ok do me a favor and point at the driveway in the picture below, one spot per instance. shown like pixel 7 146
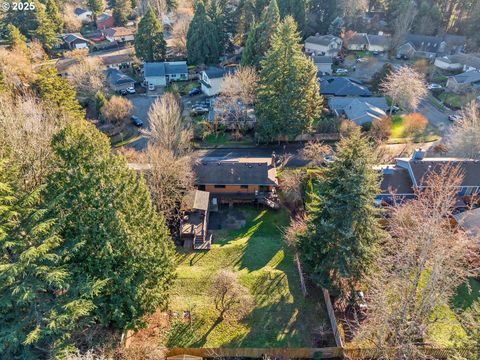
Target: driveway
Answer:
pixel 141 105
pixel 435 116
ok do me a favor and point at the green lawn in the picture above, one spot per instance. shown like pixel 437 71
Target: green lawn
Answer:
pixel 398 131
pixel 281 316
pixel 224 139
pixel 455 101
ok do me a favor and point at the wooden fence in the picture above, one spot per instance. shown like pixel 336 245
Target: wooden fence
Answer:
pixel 285 353
pixel 333 318
pixel 300 274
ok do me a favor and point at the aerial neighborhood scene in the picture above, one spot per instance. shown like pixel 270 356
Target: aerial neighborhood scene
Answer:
pixel 240 179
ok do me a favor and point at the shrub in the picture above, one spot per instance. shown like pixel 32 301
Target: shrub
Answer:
pixel 381 128
pixel 414 124
pixel 367 126
pixel 116 110
pixel 328 125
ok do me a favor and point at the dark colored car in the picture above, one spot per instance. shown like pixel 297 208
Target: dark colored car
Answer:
pixel 194 92
pixel 136 121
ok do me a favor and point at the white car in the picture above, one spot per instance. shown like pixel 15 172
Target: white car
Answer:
pixel 434 86
pixel 341 71
pixel 131 90
pixel 454 118
pixel 361 60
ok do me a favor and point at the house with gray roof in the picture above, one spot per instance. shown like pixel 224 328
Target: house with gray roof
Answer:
pixel 323 64
pixel 342 86
pixel 84 15
pixel 359 109
pixel 117 80
pixel 463 62
pixel 356 41
pixel 328 45
pixel 466 81
pixel 429 47
pixel 74 41
pixel 162 73
pixel 211 79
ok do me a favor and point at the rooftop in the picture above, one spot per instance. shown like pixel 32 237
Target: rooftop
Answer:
pixel 233 173
pixel 342 86
pixel 467 77
pixel 117 77
pixel 322 59
pixel 165 68
pixel 215 72
pixel 324 40
pixel 469 221
pixel 119 31
pixel 472 60
pixel 395 180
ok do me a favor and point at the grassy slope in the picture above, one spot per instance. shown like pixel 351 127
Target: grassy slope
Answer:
pixel 264 264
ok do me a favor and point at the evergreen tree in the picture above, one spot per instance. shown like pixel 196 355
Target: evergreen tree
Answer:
pixel 15 39
pixel 320 15
pixel 336 27
pixel 246 17
pixel 295 8
pixel 339 247
pixel 121 11
pixel 58 92
pixel 203 44
pixel 250 55
pixel 288 98
pixel 40 307
pixel 379 77
pixel 149 42
pixel 111 230
pixel 45 30
pixel 96 7
pixel 54 15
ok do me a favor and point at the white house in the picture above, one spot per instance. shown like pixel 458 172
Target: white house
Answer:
pixel 211 80
pixel 161 73
pixel 323 45
pixel 120 34
pixel 463 62
pixel 84 15
pixel 323 64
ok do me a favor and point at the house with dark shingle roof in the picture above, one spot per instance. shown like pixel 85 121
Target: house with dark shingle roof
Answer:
pixel 162 73
pixel 74 41
pixel 356 41
pixel 463 62
pixel 342 86
pixel 328 45
pixel 117 80
pixel 211 79
pixel 429 47
pixel 120 34
pixel 359 109
pixel 323 64
pixel 469 80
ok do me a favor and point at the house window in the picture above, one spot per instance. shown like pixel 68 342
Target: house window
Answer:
pixel 219 186
pixel 243 186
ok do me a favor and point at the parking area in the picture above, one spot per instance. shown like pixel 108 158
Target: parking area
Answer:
pixel 141 105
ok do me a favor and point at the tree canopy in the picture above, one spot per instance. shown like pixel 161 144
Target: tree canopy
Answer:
pixel 149 42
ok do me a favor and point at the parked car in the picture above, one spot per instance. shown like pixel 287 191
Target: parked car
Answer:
pixel 361 60
pixel 394 108
pixel 375 53
pixel 123 92
pixel 194 92
pixel 434 86
pixel 131 90
pixel 199 111
pixel 136 121
pixel 341 71
pixel 454 118
pixel 151 87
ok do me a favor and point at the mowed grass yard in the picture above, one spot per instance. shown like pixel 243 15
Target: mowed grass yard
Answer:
pixel 257 253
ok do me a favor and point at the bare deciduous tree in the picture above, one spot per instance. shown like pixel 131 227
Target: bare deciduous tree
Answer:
pixel 231 299
pixel 291 187
pixel 315 151
pixel 15 69
pixel 87 76
pixel 117 110
pixel 168 129
pixel 169 179
pixel 403 22
pixel 405 86
pixel 179 35
pixel 422 264
pixel 464 137
pixel 71 22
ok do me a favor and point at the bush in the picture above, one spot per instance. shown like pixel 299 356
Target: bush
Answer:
pixel 116 110
pixel 367 126
pixel 381 128
pixel 414 124
pixel 328 125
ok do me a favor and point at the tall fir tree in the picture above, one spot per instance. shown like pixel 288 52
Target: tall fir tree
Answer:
pixel 40 308
pixel 96 7
pixel 111 230
pixel 149 42
pixel 54 15
pixel 15 39
pixel 45 30
pixel 339 247
pixel 121 11
pixel 288 98
pixel 203 43
pixel 295 8
pixel 250 54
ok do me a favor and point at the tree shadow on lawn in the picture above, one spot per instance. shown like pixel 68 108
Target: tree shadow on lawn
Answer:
pixel 182 333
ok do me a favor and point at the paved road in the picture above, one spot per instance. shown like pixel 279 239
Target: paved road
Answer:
pixel 434 115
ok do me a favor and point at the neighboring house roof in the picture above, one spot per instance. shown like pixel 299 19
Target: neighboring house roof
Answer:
pixel 470 60
pixel 342 86
pixel 119 31
pixel 424 43
pixel 215 72
pixel 197 200
pixel 79 11
pixel 380 40
pixel 339 104
pixel 116 77
pixel 103 17
pixel 469 221
pixel 361 111
pixel 324 40
pixel 116 59
pixel 467 77
pixel 233 173
pixel 322 59
pixel 154 69
pixel 357 39
pixel 69 38
pixel 395 180
pixel 454 40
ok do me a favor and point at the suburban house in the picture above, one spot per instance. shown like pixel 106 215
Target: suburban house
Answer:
pixel 328 45
pixel 360 110
pixel 246 180
pixel 323 64
pixel 84 15
pixel 429 47
pixel 74 41
pixel 342 86
pixel 120 34
pixel 355 41
pixel 121 61
pixel 464 82
pixel 194 222
pixel 418 167
pixel 379 43
pixel 211 79
pixel 162 73
pixel 104 21
pixel 117 80
pixel 456 62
